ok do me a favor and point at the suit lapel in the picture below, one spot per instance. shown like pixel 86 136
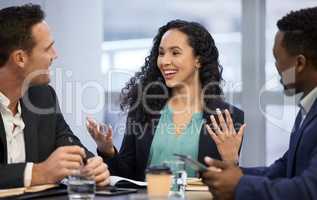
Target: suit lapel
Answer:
pixel 310 116
pixel 3 142
pixel 30 134
pixel 296 137
pixel 206 146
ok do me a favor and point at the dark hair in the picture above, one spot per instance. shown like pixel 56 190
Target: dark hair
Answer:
pixel 300 33
pixel 16 29
pixel 210 73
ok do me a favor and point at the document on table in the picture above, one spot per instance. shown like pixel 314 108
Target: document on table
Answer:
pixel 114 180
pixel 22 190
pixel 195 184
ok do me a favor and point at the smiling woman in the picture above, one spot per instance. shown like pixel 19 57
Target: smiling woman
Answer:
pixel 168 102
pixel 176 60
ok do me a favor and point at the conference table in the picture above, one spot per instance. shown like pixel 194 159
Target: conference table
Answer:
pixel 141 195
pixel 196 190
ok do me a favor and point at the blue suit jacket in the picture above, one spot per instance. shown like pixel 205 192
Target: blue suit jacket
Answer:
pixel 294 176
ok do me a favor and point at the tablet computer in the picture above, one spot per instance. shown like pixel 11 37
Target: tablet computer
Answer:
pixel 114 191
pixel 197 166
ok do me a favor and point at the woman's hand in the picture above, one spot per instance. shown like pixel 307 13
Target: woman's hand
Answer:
pixel 103 138
pixel 228 141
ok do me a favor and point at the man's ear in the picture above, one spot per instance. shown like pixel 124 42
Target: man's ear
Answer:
pixel 19 57
pixel 301 63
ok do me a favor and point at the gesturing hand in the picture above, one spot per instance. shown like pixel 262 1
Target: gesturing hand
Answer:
pixel 103 140
pixel 228 141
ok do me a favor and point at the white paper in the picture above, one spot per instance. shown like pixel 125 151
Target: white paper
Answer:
pixel 115 179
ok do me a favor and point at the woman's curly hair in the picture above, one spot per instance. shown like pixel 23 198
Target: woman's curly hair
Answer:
pixel 138 96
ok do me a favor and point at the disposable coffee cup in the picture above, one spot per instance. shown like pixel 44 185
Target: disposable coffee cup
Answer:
pixel 159 181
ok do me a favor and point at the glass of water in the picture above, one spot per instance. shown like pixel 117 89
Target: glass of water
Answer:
pixel 179 177
pixel 81 186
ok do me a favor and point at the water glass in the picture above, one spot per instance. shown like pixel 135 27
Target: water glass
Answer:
pixel 179 180
pixel 81 186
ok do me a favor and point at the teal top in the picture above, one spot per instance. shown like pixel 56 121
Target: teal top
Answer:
pixel 165 142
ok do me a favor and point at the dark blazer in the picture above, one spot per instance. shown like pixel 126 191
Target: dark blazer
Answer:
pixel 132 159
pixel 294 176
pixel 43 133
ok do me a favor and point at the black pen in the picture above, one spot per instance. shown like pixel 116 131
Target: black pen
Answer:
pixel 71 141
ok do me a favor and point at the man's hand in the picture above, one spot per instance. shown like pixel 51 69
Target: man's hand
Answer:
pixel 98 169
pixel 222 178
pixel 61 163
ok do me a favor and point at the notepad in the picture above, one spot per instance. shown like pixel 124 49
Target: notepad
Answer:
pixel 22 190
pixel 196 184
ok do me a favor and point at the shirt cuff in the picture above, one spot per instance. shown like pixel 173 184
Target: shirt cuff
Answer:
pixel 28 174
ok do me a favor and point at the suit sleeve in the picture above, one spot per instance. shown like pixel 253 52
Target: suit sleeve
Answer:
pixel 123 163
pixel 64 135
pixel 264 188
pixel 12 175
pixel 276 170
pixel 238 119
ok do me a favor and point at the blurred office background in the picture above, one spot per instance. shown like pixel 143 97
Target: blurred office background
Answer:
pixel 101 43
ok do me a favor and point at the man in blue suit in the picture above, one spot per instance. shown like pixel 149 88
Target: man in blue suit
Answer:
pixel 294 176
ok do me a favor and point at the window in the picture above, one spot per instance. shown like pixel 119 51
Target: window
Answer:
pixel 280 113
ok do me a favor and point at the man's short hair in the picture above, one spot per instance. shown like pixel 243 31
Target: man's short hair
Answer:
pixel 16 24
pixel 300 33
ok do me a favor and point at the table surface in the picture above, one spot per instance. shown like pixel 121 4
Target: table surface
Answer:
pixel 191 195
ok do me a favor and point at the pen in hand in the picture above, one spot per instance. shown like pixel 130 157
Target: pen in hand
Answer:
pixel 71 141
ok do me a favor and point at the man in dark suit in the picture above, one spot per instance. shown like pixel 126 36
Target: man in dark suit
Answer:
pixel 36 144
pixel 294 176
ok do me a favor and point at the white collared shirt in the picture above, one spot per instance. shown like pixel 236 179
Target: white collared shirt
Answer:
pixel 307 102
pixel 14 126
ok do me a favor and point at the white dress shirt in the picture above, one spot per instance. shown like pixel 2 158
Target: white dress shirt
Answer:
pixel 307 102
pixel 14 125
